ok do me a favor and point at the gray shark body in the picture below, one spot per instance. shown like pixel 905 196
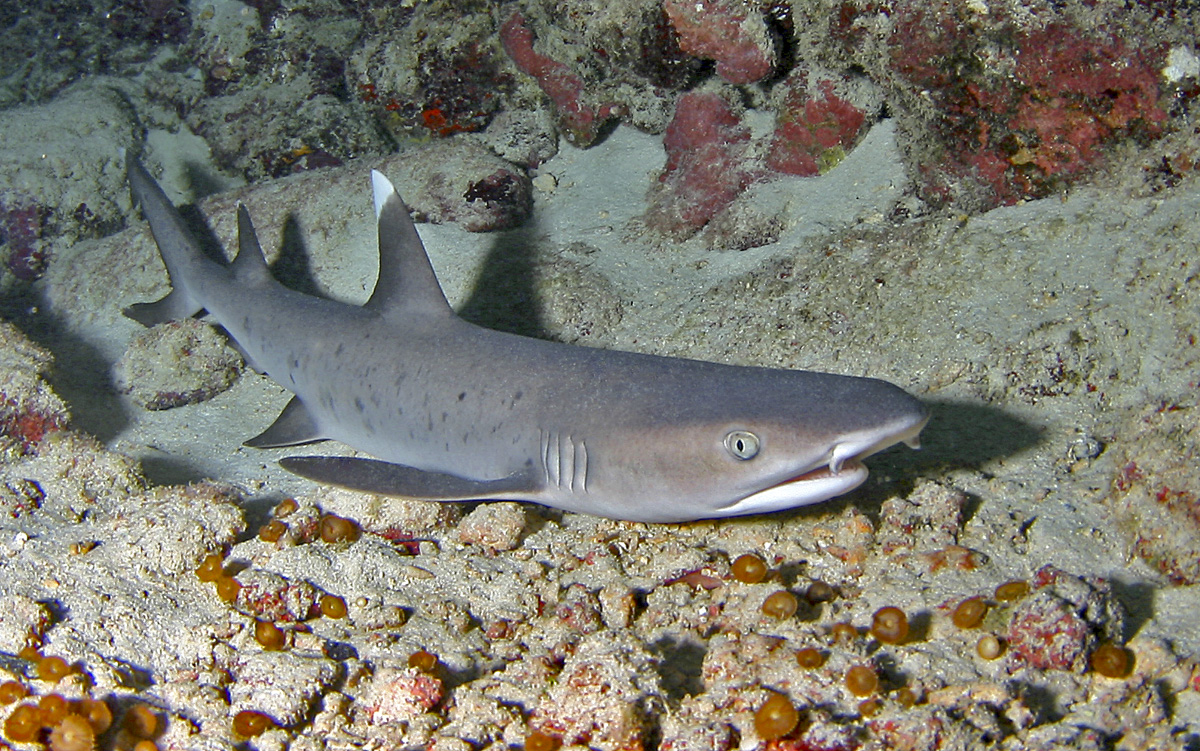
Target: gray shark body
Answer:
pixel 452 411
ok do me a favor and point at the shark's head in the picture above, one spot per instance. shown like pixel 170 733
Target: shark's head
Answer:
pixel 798 452
pixel 778 469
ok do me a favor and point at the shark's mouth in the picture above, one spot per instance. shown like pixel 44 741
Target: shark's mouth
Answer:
pixel 824 473
pixel 816 485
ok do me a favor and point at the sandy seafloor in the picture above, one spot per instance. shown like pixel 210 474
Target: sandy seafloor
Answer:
pixel 1054 342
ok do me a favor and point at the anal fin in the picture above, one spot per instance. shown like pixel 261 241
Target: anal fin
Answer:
pixel 385 478
pixel 293 427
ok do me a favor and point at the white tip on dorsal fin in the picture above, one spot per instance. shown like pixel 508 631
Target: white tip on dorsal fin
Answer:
pixel 406 283
pixel 382 188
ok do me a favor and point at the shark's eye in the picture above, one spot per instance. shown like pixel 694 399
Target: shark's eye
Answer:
pixel 742 443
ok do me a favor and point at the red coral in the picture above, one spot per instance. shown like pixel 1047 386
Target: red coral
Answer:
pixel 1058 626
pixel 401 695
pixel 580 121
pixel 1047 633
pixel 1065 94
pixel 26 425
pixel 270 597
pixel 725 31
pixel 1081 94
pixel 461 88
pixel 813 133
pixel 403 541
pixel 705 144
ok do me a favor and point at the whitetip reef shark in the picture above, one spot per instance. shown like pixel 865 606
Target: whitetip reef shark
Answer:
pixel 452 411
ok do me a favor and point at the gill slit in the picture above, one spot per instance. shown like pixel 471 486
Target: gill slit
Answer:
pixel 564 461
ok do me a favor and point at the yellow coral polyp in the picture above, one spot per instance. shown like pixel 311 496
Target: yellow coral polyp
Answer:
pixel 72 733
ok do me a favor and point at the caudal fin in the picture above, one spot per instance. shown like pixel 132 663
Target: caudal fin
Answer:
pixel 175 242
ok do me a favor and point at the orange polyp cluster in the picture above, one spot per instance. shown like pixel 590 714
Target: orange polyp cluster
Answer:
pixel 96 712
pixel 271 637
pixel 23 724
pixel 1110 661
pixel 424 661
pixel 780 605
pixel 65 725
pixel 749 569
pixel 31 653
pixel 843 633
pixel 862 680
pixel 332 606
pixel 11 691
pixel 73 733
pixel 286 507
pixel 970 613
pixel 810 658
pixel 339 529
pixel 141 721
pixel 1013 590
pixel 776 717
pixel 539 741
pixel 870 707
pixel 819 592
pixel 989 647
pixel 272 531
pixel 905 697
pixel 52 708
pixel 228 588
pixel 211 568
pixel 53 669
pixel 250 724
pixel 890 625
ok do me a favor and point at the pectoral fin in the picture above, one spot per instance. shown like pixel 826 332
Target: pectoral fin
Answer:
pixel 293 427
pixel 176 306
pixel 374 476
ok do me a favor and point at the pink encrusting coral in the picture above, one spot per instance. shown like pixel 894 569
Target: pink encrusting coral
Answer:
pixel 731 32
pixel 29 410
pixel 27 426
pixel 399 695
pixel 706 169
pixel 1064 95
pixel 1156 491
pixel 1079 94
pixel 1059 625
pixel 813 133
pixel 579 120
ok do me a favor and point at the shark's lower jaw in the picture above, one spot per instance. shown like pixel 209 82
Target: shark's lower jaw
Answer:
pixel 814 486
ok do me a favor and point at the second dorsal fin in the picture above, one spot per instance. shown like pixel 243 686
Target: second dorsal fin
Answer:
pixel 250 267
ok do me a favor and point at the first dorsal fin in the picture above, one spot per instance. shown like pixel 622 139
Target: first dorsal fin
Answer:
pixel 406 283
